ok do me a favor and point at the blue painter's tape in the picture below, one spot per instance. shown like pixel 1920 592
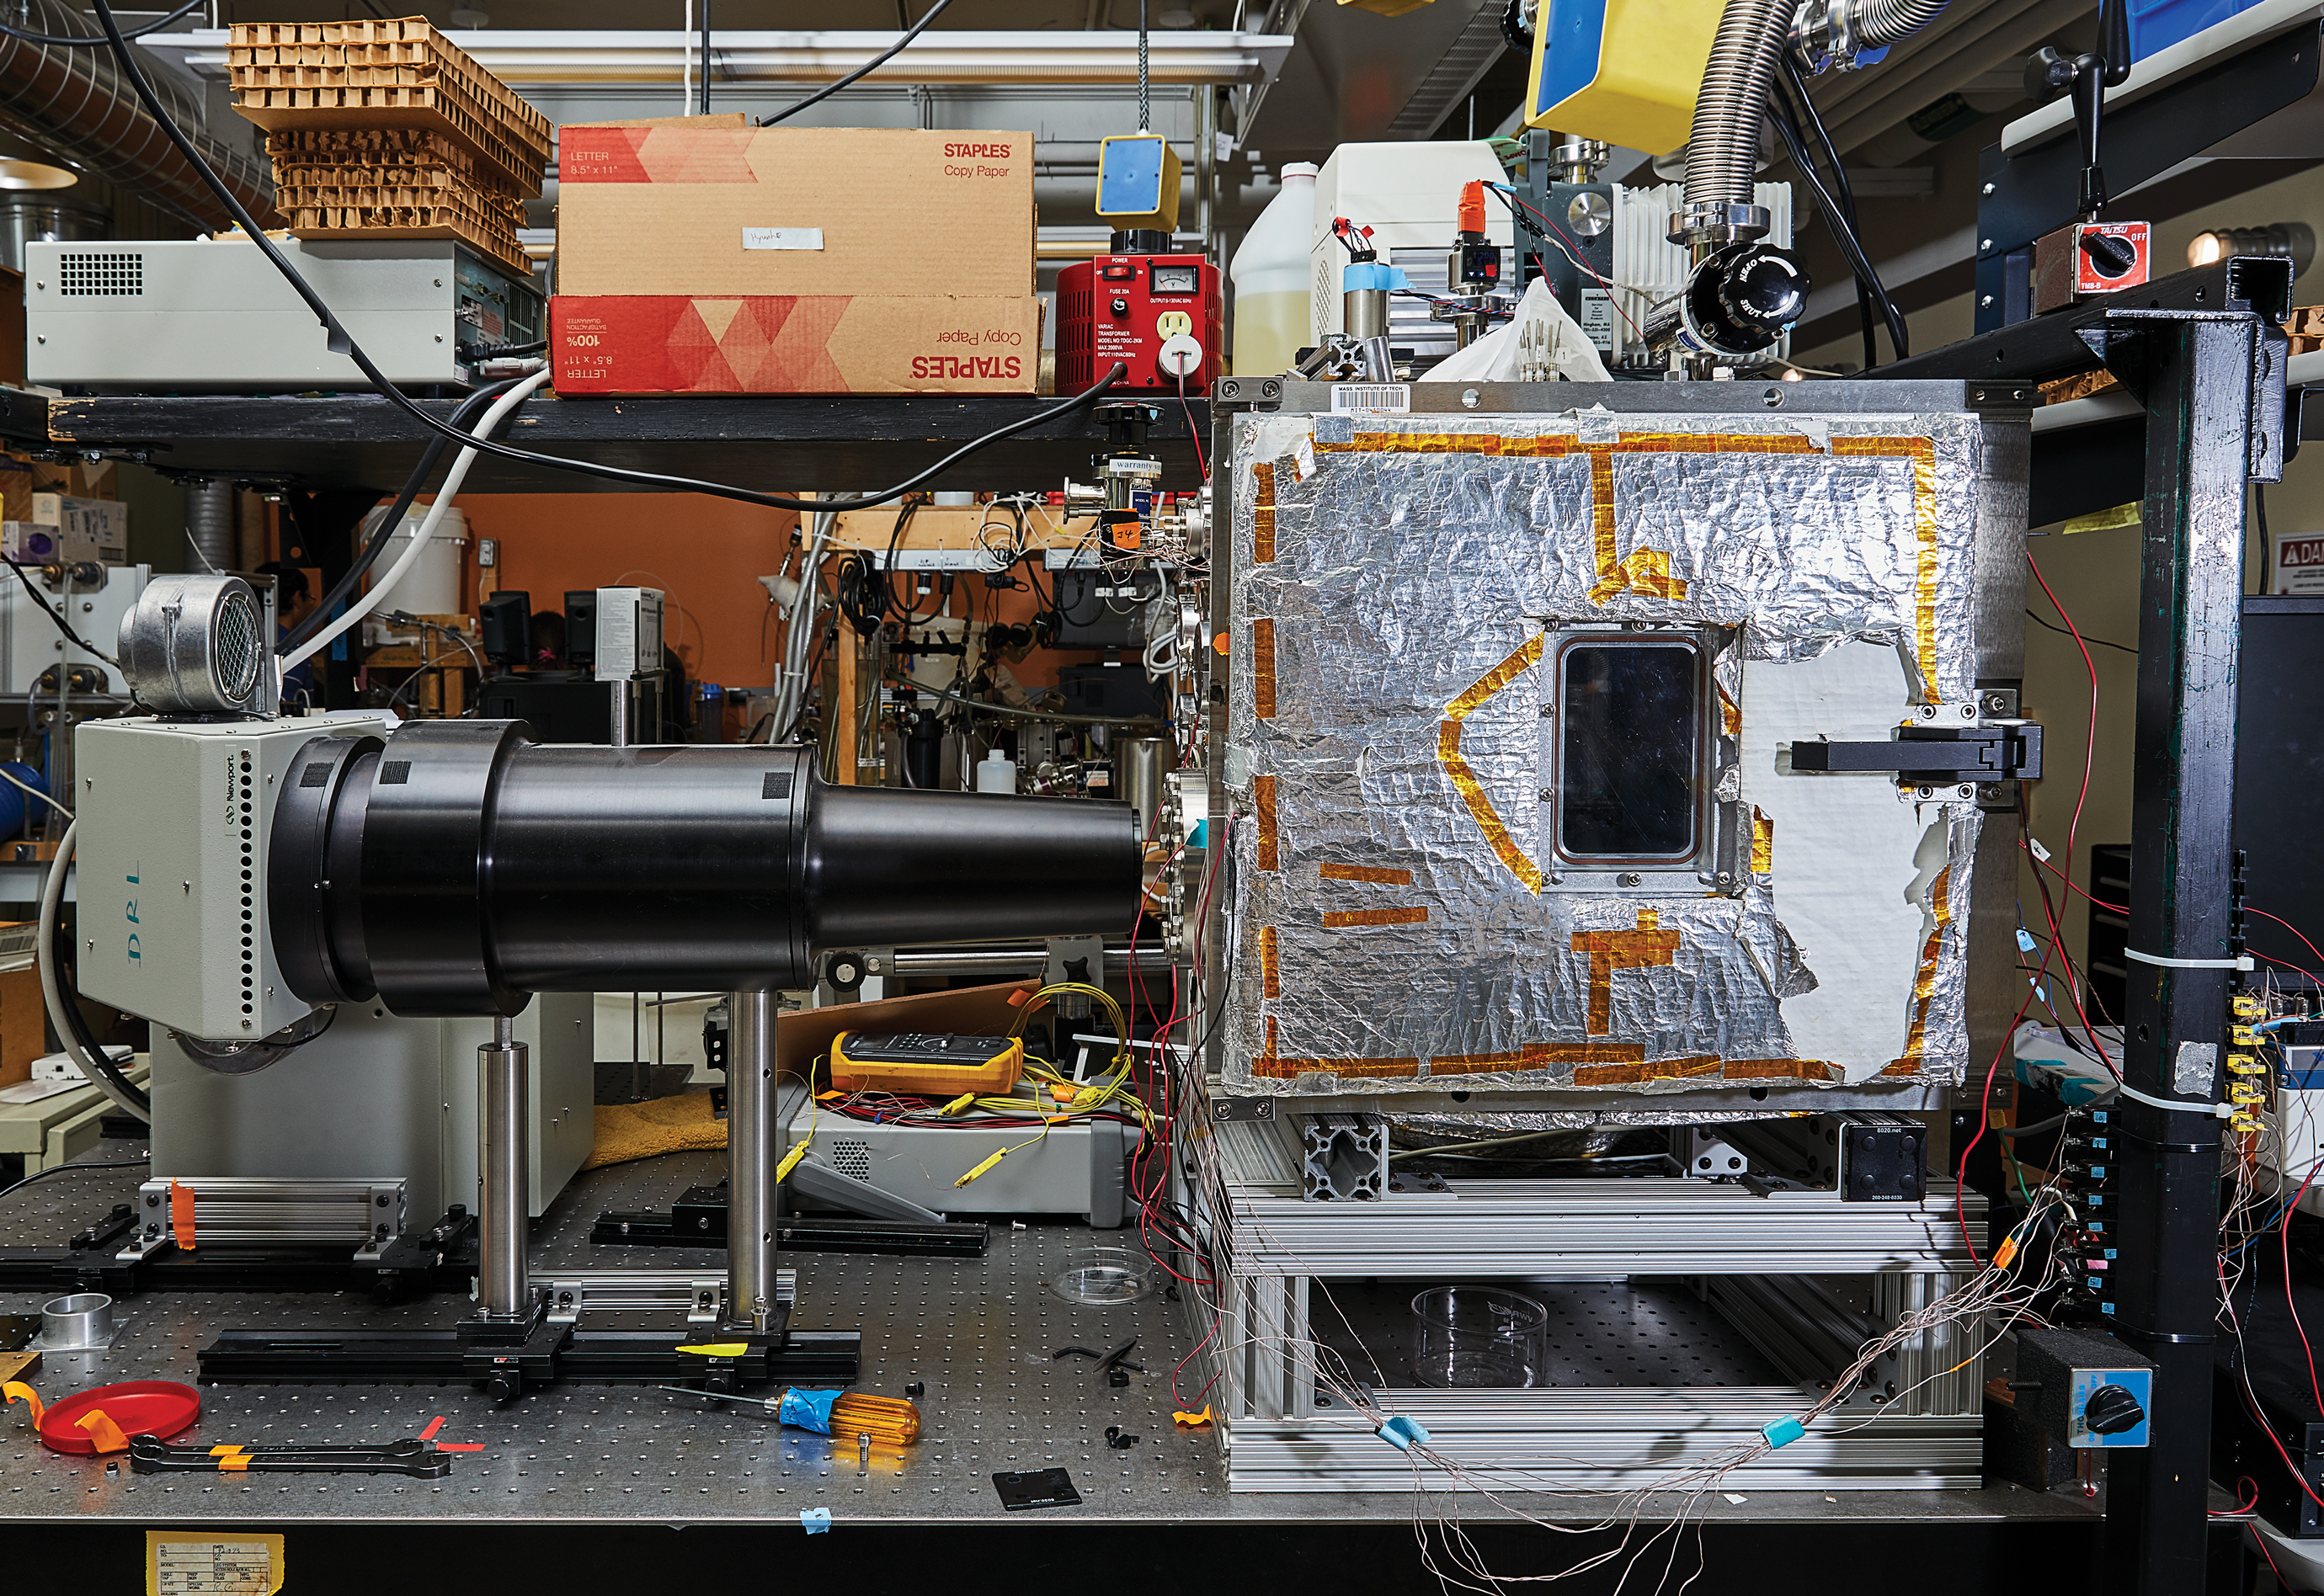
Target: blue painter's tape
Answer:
pixel 1362 275
pixel 1402 1434
pixel 807 1410
pixel 1783 1432
pixel 815 1520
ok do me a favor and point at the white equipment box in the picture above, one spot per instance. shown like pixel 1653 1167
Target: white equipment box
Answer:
pixel 629 632
pixel 30 640
pixel 195 314
pixel 1409 196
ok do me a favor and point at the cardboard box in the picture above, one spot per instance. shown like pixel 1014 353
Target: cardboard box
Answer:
pixel 86 529
pixel 652 344
pixel 701 212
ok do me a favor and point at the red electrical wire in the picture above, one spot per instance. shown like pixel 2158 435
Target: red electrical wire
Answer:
pixel 1194 432
pixel 2090 754
pixel 2241 1505
pixel 2294 929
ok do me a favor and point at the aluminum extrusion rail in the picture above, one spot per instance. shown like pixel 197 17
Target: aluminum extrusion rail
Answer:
pixel 1507 1227
pixel 1609 1438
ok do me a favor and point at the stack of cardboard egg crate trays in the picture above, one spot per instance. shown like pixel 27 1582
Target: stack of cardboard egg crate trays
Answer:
pixel 385 129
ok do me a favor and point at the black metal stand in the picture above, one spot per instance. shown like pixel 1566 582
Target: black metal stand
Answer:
pixel 698 1219
pixel 2204 353
pixel 442 1258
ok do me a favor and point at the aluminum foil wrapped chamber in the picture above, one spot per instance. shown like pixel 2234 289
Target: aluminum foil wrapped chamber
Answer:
pixel 1511 699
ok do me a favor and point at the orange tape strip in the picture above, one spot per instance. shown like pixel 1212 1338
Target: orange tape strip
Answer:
pixel 1271 973
pixel 99 1427
pixel 181 1215
pixel 1383 876
pixel 235 1463
pixel 1343 917
pixel 1262 793
pixel 459 1446
pixel 433 1425
pixel 1263 668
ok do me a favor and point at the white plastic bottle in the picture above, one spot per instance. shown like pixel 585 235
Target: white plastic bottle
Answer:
pixel 1270 276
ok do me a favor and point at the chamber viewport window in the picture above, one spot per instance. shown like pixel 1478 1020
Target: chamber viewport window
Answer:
pixel 1630 735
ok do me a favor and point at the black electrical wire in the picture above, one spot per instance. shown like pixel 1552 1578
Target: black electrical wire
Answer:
pixel 62 625
pixel 59 953
pixel 341 341
pixel 1845 236
pixel 2093 642
pixel 1867 294
pixel 867 68
pixel 702 103
pixel 124 1163
pixel 326 607
pixel 90 41
pixel 2056 1120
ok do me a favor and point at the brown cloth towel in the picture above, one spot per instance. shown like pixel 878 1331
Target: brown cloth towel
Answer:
pixel 627 1131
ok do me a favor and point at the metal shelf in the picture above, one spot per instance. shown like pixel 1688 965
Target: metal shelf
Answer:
pixel 784 444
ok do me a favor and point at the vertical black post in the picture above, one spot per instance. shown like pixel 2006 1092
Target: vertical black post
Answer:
pixel 2201 376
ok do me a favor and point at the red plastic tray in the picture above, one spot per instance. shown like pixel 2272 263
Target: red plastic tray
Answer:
pixel 159 1407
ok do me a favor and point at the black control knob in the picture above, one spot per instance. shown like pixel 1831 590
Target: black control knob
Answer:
pixel 2111 255
pixel 2111 1410
pixel 1121 305
pixel 1744 298
pixel 1763 289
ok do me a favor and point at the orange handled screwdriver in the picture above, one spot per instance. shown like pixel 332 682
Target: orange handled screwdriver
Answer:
pixel 887 1419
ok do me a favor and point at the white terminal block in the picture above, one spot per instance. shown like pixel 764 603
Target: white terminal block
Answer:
pixel 629 632
pixel 174 822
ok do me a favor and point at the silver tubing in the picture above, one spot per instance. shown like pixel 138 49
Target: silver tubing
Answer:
pixel 750 1159
pixel 501 1157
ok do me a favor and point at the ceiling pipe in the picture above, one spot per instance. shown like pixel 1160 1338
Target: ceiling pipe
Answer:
pixel 74 101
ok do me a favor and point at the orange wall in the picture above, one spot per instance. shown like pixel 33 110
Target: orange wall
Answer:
pixel 705 554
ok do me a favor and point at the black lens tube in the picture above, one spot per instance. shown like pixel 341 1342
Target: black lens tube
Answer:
pixel 458 867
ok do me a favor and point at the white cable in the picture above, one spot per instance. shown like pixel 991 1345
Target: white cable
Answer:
pixel 53 894
pixel 420 539
pixel 36 793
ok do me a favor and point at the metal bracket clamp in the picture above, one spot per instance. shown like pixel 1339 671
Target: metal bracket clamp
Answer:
pixel 1936 756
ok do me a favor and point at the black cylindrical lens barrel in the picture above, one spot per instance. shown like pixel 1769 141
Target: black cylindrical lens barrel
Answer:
pixel 462 867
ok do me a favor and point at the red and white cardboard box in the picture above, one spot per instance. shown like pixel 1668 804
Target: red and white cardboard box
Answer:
pixel 657 343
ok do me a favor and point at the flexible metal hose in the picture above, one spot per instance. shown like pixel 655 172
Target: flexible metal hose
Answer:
pixel 1722 149
pixel 1885 21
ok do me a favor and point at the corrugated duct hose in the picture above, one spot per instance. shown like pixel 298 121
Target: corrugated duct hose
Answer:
pixel 75 100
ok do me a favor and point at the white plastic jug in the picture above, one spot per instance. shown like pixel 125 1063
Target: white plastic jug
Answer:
pixel 1270 276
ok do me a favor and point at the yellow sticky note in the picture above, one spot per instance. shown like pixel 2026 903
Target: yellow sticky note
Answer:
pixel 180 1563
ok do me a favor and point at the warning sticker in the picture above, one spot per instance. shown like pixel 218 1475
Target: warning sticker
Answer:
pixel 182 1564
pixel 2299 564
